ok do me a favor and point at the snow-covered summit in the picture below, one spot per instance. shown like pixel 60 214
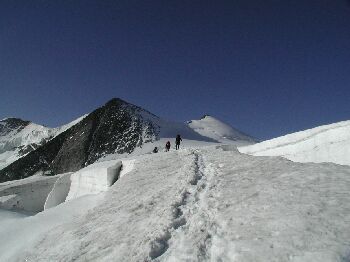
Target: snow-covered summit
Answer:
pixel 209 126
pixel 328 143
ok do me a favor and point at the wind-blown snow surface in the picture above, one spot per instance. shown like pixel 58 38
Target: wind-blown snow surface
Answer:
pixel 329 143
pixel 19 137
pixel 211 127
pixel 207 204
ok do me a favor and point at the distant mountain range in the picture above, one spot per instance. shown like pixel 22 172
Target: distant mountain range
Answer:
pixel 118 127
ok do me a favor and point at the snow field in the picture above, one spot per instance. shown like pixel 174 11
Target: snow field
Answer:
pixel 133 218
pixel 205 204
pixel 198 236
pixel 277 210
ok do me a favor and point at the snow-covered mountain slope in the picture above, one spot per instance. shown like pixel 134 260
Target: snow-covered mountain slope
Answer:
pixel 196 204
pixel 19 137
pixel 118 127
pixel 209 126
pixel 329 143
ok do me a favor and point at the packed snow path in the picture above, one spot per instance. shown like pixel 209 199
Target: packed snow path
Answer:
pixel 195 231
pixel 211 204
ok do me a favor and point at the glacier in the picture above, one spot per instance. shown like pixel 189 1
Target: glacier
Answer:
pixel 208 203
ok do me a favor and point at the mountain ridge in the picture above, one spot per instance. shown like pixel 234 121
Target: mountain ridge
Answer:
pixel 118 127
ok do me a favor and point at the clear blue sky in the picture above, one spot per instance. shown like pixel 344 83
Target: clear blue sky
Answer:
pixel 266 67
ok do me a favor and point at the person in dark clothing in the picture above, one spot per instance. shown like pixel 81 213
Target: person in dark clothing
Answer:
pixel 155 150
pixel 167 146
pixel 177 142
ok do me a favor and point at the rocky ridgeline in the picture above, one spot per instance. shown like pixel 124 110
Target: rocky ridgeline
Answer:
pixel 117 127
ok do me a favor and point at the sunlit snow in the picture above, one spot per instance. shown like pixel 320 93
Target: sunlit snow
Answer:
pixel 204 202
pixel 329 143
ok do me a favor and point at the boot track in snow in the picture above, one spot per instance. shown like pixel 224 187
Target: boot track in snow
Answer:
pixel 194 228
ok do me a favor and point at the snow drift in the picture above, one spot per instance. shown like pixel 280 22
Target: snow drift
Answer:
pixel 329 143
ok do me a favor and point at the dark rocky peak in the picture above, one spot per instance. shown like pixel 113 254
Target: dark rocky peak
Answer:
pixel 117 103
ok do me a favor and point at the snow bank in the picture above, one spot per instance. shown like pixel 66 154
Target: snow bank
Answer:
pixel 27 194
pixel 59 191
pixel 94 179
pixel 329 143
pixel 127 167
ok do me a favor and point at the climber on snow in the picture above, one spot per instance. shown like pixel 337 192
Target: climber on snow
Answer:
pixel 177 141
pixel 167 146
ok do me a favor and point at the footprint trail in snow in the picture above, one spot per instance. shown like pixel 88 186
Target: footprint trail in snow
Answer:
pixel 195 233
